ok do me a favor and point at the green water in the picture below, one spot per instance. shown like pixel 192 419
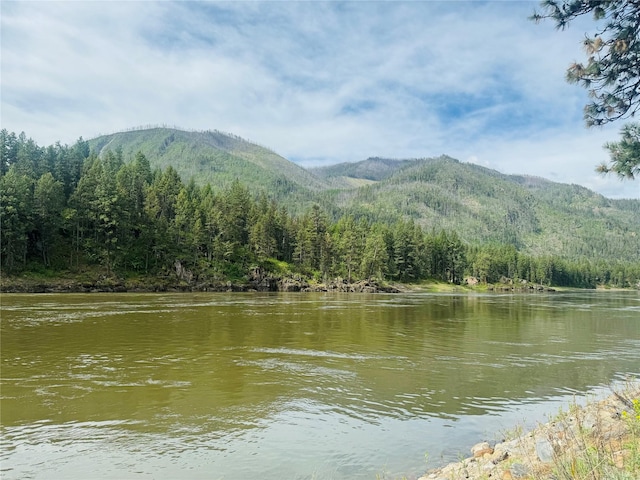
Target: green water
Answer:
pixel 291 386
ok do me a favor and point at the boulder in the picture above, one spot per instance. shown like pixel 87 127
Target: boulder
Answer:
pixel 481 449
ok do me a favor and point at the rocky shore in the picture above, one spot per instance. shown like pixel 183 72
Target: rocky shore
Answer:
pixel 598 441
pixel 256 283
pixel 260 281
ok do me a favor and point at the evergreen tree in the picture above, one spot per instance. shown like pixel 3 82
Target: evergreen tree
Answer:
pixel 375 256
pixel 16 199
pixel 48 205
pixel 348 238
pixel 160 208
pixel 133 181
pixel 8 150
pixel 109 207
pixel 29 158
pixel 408 251
pixel 83 214
pixel 624 154
pixel 263 232
pixel 611 72
pixel 234 222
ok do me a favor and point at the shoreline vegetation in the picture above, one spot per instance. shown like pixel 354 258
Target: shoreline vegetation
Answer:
pixel 597 441
pixel 95 281
pixel 82 283
pixel 118 285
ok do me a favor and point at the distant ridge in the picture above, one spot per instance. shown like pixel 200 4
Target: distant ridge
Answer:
pixel 373 169
pixel 536 215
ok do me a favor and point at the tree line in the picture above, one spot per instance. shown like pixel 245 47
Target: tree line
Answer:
pixel 64 207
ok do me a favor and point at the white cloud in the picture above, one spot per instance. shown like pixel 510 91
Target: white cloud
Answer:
pixel 316 82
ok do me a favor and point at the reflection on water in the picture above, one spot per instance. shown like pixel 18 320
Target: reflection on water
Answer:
pixel 291 385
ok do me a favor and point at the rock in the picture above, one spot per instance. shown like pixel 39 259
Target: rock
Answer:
pixel 182 273
pixel 499 456
pixel 588 421
pixel 535 452
pixel 481 449
pixel 489 469
pixel 518 470
pixel 544 450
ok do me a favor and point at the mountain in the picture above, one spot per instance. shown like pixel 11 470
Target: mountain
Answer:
pixel 212 157
pixel 346 175
pixel 538 216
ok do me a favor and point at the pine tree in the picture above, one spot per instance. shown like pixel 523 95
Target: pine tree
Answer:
pixel 16 198
pixel 375 256
pixel 48 204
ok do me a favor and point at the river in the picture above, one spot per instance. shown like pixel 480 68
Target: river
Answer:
pixel 292 386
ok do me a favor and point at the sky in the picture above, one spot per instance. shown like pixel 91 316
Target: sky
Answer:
pixel 317 82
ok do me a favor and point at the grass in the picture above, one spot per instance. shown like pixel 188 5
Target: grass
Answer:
pixel 598 451
pixel 432 286
pixel 595 442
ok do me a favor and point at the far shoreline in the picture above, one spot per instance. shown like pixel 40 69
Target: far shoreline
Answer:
pixel 100 283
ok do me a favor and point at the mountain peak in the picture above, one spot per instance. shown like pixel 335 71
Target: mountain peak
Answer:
pixel 209 156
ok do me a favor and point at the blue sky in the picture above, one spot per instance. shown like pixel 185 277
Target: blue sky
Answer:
pixel 318 82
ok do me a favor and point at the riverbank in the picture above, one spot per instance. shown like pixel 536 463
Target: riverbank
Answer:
pixel 92 282
pixel 598 441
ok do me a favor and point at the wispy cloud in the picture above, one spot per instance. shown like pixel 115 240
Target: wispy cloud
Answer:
pixel 318 82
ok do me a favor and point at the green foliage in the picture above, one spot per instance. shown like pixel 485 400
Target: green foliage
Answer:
pixel 48 204
pixel 494 263
pixel 375 255
pixel 481 205
pixel 216 158
pixel 625 153
pixel 535 216
pixel 610 74
pixel 428 219
pixel 372 169
pixel 16 198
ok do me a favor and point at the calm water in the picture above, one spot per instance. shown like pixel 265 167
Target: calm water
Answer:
pixel 291 386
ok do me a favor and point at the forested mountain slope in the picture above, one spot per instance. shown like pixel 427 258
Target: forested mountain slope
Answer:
pixel 212 157
pixel 355 174
pixel 538 216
